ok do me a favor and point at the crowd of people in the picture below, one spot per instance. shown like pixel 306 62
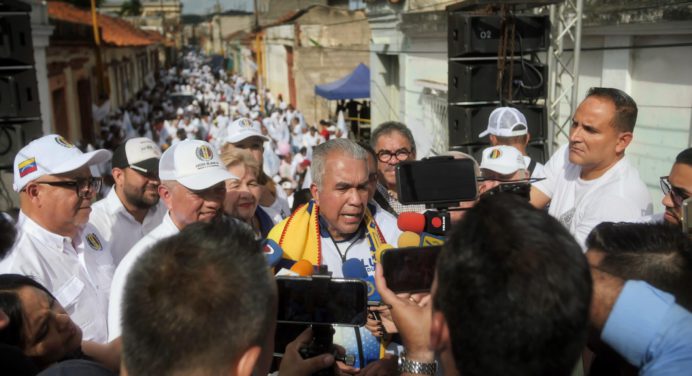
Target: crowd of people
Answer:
pixel 164 269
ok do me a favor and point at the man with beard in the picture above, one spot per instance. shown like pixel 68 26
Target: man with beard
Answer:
pixel 132 208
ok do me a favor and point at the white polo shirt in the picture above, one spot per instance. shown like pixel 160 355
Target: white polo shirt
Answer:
pixel 165 229
pixel 78 273
pixel 118 227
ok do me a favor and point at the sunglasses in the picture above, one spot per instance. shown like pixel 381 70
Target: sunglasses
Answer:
pixel 677 194
pixel 83 187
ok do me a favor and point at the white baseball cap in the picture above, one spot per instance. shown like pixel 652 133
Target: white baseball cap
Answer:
pixel 506 122
pixel 194 164
pixel 140 154
pixel 51 155
pixel 502 159
pixel 243 128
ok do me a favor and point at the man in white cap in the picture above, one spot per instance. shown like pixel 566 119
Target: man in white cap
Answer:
pixel 132 208
pixel 508 126
pixel 193 189
pixel 56 245
pixel 501 164
pixel 245 134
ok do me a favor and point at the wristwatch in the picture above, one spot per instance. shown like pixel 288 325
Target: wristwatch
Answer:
pixel 411 366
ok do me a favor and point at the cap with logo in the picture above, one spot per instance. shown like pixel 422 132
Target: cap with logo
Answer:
pixel 194 164
pixel 51 155
pixel 506 122
pixel 243 128
pixel 140 154
pixel 502 159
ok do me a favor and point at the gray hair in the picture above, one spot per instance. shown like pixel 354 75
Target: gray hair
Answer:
pixel 392 126
pixel 322 151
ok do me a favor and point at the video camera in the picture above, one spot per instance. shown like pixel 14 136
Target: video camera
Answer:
pixel 319 301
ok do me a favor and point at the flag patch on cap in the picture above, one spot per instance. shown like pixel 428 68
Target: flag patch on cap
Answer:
pixel 27 167
pixel 204 153
pixel 63 142
pixel 94 242
pixel 495 154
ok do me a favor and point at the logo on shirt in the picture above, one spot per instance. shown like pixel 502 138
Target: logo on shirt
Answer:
pixel 27 167
pixel 204 153
pixel 63 142
pixel 94 242
pixel 495 154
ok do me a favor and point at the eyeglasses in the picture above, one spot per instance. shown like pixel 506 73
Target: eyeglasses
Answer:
pixel 677 194
pixel 385 156
pixel 82 186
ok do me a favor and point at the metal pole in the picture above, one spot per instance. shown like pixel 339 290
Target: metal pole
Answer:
pixel 577 56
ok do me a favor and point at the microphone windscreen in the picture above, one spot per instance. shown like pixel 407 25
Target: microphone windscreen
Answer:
pixel 272 252
pixel 409 221
pixel 303 268
pixel 408 239
pixel 354 268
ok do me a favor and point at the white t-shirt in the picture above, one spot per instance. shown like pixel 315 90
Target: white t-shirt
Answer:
pixel 78 273
pixel 118 227
pixel 619 195
pixel 165 229
pixel 279 209
pixel 387 223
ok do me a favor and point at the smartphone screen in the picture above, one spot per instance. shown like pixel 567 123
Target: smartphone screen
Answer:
pixel 308 300
pixel 436 180
pixel 410 269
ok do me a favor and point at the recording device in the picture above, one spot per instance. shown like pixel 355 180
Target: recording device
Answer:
pixel 410 269
pixel 687 216
pixel 432 222
pixel 322 300
pixel 437 181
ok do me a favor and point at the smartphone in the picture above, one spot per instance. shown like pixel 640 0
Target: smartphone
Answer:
pixel 322 300
pixel 410 269
pixel 436 180
pixel 687 216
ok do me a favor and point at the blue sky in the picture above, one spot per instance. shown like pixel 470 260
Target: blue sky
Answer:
pixel 205 6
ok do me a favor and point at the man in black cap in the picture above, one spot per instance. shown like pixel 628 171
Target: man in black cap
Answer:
pixel 132 208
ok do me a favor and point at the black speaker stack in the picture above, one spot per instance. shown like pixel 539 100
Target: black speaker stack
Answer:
pixel 20 114
pixel 494 61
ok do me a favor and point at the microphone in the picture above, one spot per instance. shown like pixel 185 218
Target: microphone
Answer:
pixel 408 239
pixel 354 268
pixel 411 239
pixel 303 268
pixel 272 252
pixel 433 222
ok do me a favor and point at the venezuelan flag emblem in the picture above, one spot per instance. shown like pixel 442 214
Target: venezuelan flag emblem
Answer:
pixel 27 167
pixel 495 154
pixel 94 242
pixel 204 153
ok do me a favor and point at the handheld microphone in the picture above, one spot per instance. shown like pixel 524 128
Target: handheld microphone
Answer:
pixel 433 222
pixel 303 268
pixel 411 239
pixel 272 252
pixel 408 239
pixel 354 268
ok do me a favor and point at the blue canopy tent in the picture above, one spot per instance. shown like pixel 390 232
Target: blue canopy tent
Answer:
pixel 354 86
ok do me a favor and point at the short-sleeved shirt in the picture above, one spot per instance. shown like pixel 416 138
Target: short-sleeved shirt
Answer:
pixel 120 229
pixel 77 272
pixel 619 195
